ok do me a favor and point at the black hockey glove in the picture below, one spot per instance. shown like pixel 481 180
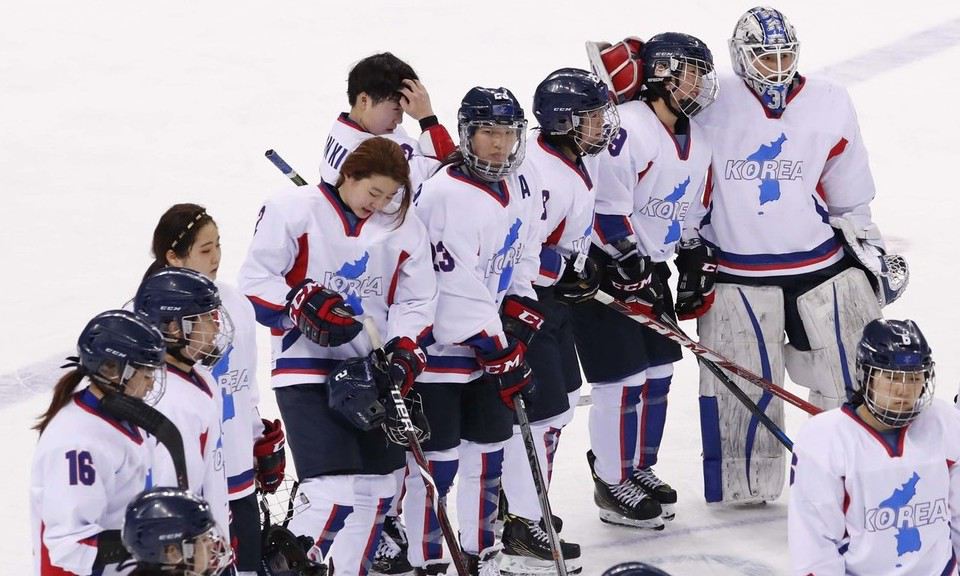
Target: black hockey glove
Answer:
pixel 698 271
pixel 509 369
pixel 631 280
pixel 522 318
pixel 407 361
pixel 321 314
pixel 575 286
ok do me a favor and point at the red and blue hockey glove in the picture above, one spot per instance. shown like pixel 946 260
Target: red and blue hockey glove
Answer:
pixel 522 318
pixel 321 314
pixel 698 271
pixel 407 361
pixel 271 459
pixel 508 368
pixel 631 280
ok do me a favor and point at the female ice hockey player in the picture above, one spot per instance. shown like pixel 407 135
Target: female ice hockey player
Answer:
pixel 89 463
pixel 321 258
pixel 483 232
pixel 649 190
pixel 187 236
pixel 577 120
pixel 185 306
pixel 171 532
pixel 874 483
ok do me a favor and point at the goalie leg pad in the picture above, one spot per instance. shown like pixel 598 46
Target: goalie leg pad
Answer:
pixel 742 461
pixel 614 427
pixel 833 316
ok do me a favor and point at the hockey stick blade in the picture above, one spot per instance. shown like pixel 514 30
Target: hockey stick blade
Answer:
pixel 703 352
pixel 430 485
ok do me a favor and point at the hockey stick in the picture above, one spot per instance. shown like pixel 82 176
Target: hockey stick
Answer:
pixel 449 536
pixel 285 168
pixel 769 424
pixel 705 353
pixel 545 511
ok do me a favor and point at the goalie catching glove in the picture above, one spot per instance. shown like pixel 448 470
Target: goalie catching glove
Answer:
pixel 271 459
pixel 698 271
pixel 321 314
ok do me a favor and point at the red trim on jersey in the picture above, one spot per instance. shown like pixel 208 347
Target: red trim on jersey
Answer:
pixel 950 463
pixel 778 265
pixel 554 238
pixel 603 238
pixel 582 173
pixel 298 272
pixel 708 187
pixel 643 172
pixel 437 370
pixel 265 304
pixel 456 175
pixel 802 81
pixel 344 118
pixel 203 441
pixel 280 371
pixel 442 143
pixel 46 567
pixel 681 154
pixel 133 434
pixel 837 150
pixel 902 433
pixel 846 495
pixel 396 276
pixel 193 377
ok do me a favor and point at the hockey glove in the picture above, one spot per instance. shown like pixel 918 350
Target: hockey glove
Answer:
pixel 321 314
pixel 522 318
pixel 575 287
pixel 407 361
pixel 270 457
pixel 631 280
pixel 698 271
pixel 509 369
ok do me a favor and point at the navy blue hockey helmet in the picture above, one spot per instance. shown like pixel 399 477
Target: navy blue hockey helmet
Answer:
pixel 115 344
pixel 895 371
pixel 634 569
pixel 496 110
pixel 576 103
pixel 202 330
pixel 355 393
pixel 172 528
pixel 679 68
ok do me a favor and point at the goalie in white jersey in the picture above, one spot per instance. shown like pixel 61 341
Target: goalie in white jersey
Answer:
pixel 321 257
pixel 90 460
pixel 789 197
pixel 649 188
pixel 380 89
pixel 483 227
pixel 874 485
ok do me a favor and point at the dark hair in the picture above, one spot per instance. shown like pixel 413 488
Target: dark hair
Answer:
pixel 381 76
pixel 62 392
pixel 381 157
pixel 177 230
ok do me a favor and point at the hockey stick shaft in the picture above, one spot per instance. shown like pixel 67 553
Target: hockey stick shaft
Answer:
pixel 430 485
pixel 769 424
pixel 289 172
pixel 705 353
pixel 540 484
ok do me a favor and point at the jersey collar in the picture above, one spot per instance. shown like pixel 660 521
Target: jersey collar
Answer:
pixel 502 196
pixel 86 400
pixel 351 223
pixel 577 167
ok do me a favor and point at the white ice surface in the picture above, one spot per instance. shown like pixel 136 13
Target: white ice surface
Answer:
pixel 111 111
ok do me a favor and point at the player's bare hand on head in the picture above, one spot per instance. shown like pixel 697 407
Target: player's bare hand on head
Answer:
pixel 415 100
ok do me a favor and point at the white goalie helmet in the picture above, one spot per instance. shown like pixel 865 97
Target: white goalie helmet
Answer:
pixel 764 48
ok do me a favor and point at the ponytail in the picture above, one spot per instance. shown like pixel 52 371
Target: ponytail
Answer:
pixel 62 392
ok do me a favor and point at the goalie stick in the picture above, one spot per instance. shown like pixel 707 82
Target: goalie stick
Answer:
pixel 705 353
pixel 414 445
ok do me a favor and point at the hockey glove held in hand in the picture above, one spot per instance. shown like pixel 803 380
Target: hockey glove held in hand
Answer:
pixel 509 369
pixel 698 271
pixel 575 286
pixel 321 314
pixel 522 318
pixel 631 280
pixel 407 361
pixel 271 459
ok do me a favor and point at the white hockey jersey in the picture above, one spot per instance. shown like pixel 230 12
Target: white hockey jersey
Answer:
pixel 649 186
pixel 236 376
pixel 87 467
pixel 860 507
pixel 485 245
pixel 189 402
pixel 776 181
pixel 422 155
pixel 567 194
pixel 383 272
